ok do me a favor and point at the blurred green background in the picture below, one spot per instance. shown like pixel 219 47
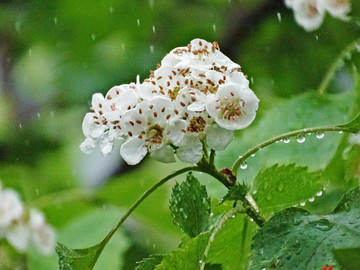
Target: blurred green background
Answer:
pixel 55 54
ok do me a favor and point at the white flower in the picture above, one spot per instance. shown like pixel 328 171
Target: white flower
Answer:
pixel 337 8
pixel 233 107
pixel 150 126
pixel 191 150
pixel 288 3
pixel 18 235
pixel 308 13
pixel 11 207
pixel 42 234
pixel 218 138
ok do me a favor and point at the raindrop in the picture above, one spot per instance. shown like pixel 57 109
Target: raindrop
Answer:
pixel 279 16
pixel 200 261
pixel 152 48
pixel 302 204
pixel 342 233
pixel 317 37
pixel 320 135
pixel 323 225
pixel 111 9
pixel 93 36
pixel 340 132
pixel 55 20
pixel 254 192
pixel 20 125
pixel 309 133
pixel 233 216
pixel 280 187
pixel 252 80
pixel 269 197
pixel 311 199
pixel 277 141
pixel 153 29
pixel 286 140
pixel 260 149
pixel 214 27
pixel 253 155
pixel 300 138
pixel 319 193
pixel 251 219
pixel 138 22
pixel 243 166
pixel 211 214
pixel 38 115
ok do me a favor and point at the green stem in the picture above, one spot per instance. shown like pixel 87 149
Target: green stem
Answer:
pixel 135 205
pixel 336 65
pixel 285 136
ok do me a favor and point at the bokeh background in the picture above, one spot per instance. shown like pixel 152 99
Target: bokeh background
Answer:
pixel 55 54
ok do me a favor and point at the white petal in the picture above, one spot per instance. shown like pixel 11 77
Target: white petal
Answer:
pixel 218 138
pixel 191 151
pixel 133 151
pixel 308 13
pixel 337 8
pixel 18 236
pixel 106 146
pixel 164 154
pixel 197 107
pixel 88 146
pixel 44 239
pixel 11 207
pixel 176 128
pixel 97 101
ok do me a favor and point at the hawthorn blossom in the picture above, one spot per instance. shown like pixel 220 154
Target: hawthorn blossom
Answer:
pixel 337 8
pixel 11 207
pixel 196 97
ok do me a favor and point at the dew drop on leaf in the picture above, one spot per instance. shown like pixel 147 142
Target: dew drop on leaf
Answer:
pixel 300 139
pixel 200 261
pixel 320 135
pixel 319 193
pixel 233 216
pixel 253 155
pixel 340 132
pixel 302 204
pixel 286 140
pixel 311 199
pixel 138 22
pixel 280 187
pixel 323 225
pixel 243 166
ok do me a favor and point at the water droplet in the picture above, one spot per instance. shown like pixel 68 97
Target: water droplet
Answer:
pixel 323 225
pixel 316 37
pixel 319 193
pixel 300 138
pixel 38 115
pixel 286 140
pixel 138 22
pixel 214 27
pixel 93 36
pixel 20 125
pixel 211 214
pixel 254 192
pixel 243 166
pixel 153 28
pixel 200 261
pixel 251 219
pixel 311 199
pixel 309 133
pixel 151 48
pixel 55 20
pixel 277 141
pixel 341 132
pixel 279 16
pixel 252 80
pixel 269 197
pixel 233 216
pixel 320 135
pixel 302 204
pixel 111 9
pixel 280 187
pixel 253 155
pixel 342 233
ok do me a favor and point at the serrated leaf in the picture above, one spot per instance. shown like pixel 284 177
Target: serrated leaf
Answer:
pixel 149 263
pixel 353 125
pixel 189 255
pixel 348 258
pixel 296 239
pixel 235 193
pixel 84 231
pixel 77 259
pixel 278 187
pixel 190 206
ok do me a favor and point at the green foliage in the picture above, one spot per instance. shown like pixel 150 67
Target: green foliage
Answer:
pixel 348 258
pixel 353 125
pixel 235 193
pixel 296 238
pixel 85 231
pixel 149 263
pixel 190 206
pixel 278 187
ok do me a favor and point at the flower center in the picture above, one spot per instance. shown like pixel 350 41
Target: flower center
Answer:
pixel 155 134
pixel 174 93
pixel 197 124
pixel 231 109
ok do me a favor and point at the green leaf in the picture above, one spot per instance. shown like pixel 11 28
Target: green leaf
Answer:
pixel 278 187
pixel 149 263
pixel 84 231
pixel 235 193
pixel 348 258
pixel 77 259
pixel 190 206
pixel 189 255
pixel 294 238
pixel 354 125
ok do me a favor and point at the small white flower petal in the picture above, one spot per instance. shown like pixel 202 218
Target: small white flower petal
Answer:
pixel 133 151
pixel 44 239
pixel 11 207
pixel 337 8
pixel 218 138
pixel 177 129
pixel 308 13
pixel 87 146
pixel 191 151
pixel 164 154
pixel 18 236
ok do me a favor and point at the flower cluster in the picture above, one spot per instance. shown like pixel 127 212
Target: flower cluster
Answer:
pixel 197 96
pixel 21 227
pixel 310 13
